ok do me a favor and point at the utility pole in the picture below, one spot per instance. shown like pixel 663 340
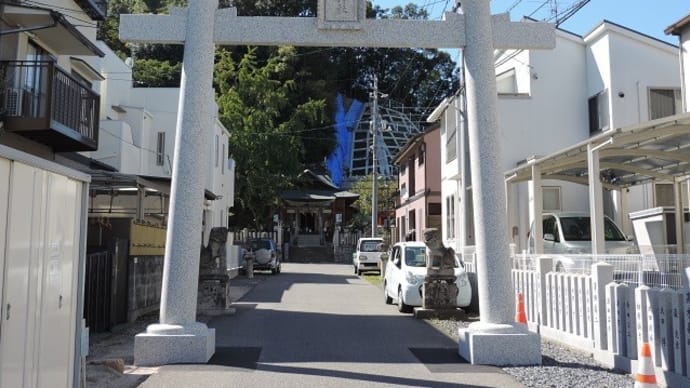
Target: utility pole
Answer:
pixel 374 132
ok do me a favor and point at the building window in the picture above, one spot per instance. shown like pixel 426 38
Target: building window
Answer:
pixel 403 190
pixel 422 154
pixel 217 149
pixel 451 130
pixel 506 82
pixel 160 149
pixel 223 161
pixel 599 112
pixel 450 216
pixel 435 209
pixel 664 102
pixel 551 198
pixel 663 194
pixel 411 177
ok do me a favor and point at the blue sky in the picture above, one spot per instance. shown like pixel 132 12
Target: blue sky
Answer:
pixel 649 17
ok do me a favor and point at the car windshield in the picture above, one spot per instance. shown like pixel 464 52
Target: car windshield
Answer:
pixel 260 244
pixel 369 246
pixel 415 256
pixel 578 229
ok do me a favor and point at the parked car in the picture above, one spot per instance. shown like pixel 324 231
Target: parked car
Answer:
pixel 368 254
pixel 405 273
pixel 265 255
pixel 567 234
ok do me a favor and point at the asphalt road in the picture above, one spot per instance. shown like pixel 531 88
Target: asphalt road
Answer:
pixel 319 325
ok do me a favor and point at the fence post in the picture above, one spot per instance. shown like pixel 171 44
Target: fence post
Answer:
pixel 678 334
pixel 611 327
pixel 544 266
pixel 665 329
pixel 686 329
pixel 641 316
pixel 630 324
pixel 653 325
pixel 622 292
pixel 602 274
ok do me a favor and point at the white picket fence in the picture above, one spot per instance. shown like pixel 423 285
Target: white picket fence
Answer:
pixel 610 320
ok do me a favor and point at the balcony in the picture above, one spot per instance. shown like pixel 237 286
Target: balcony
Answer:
pixel 42 102
pixel 96 9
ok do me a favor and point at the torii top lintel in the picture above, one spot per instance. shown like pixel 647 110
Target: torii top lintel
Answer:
pixel 340 23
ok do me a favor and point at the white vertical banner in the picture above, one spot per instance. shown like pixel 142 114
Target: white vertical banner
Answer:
pixel 630 324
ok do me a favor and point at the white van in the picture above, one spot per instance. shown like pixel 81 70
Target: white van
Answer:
pixel 368 255
pixel 569 233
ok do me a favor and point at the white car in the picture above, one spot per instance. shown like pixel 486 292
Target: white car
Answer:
pixel 405 273
pixel 368 255
pixel 567 237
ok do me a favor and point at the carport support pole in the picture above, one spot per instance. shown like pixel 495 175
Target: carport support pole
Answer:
pixel 536 206
pixel 496 339
pixel 596 200
pixel 178 338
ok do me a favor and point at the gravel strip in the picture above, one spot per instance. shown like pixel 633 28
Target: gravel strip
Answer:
pixel 561 367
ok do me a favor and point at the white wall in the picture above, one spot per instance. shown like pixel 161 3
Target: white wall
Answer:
pixel 549 110
pixel 638 64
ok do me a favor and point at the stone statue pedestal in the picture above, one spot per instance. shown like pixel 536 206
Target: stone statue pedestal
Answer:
pixel 439 296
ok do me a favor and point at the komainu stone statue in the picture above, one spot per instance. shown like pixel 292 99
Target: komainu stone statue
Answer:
pixel 440 291
pixel 213 296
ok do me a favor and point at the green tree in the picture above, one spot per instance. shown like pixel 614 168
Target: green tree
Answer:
pixel 265 125
pixel 386 190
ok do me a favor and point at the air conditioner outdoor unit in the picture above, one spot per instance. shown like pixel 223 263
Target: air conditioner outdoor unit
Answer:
pixel 12 102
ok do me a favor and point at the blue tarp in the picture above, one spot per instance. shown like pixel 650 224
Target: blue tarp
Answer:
pixel 346 118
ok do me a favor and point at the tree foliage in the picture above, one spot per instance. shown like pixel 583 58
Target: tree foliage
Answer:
pixel 386 190
pixel 255 104
pixel 277 102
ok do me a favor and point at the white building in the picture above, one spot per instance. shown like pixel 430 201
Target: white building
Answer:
pixel 48 111
pixel 138 135
pixel 551 99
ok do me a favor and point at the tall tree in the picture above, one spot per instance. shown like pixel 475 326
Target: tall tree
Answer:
pixel 385 198
pixel 265 126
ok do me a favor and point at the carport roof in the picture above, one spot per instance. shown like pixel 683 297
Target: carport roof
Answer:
pixel 655 150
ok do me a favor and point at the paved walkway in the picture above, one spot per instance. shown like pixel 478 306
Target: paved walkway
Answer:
pixel 318 325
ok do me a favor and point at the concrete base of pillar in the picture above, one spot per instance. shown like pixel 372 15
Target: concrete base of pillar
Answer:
pixel 174 344
pixel 499 344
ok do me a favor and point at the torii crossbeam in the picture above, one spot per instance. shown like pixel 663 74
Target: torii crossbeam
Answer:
pixel 339 23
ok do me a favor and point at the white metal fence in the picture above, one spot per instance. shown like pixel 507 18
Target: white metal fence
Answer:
pixel 611 318
pixel 660 270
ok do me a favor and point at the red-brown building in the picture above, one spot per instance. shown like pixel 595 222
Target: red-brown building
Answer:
pixel 419 180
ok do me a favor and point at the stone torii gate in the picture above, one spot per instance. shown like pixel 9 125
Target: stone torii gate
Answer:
pixel 178 338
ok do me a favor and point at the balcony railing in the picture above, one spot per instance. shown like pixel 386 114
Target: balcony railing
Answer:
pixel 96 9
pixel 42 102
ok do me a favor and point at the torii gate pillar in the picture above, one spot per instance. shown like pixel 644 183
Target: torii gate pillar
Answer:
pixel 496 339
pixel 178 338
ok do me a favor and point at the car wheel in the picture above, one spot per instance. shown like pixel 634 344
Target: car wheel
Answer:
pixel 402 307
pixel 274 271
pixel 386 298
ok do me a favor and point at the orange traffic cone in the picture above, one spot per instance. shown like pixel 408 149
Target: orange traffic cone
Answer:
pixel 520 316
pixel 645 377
